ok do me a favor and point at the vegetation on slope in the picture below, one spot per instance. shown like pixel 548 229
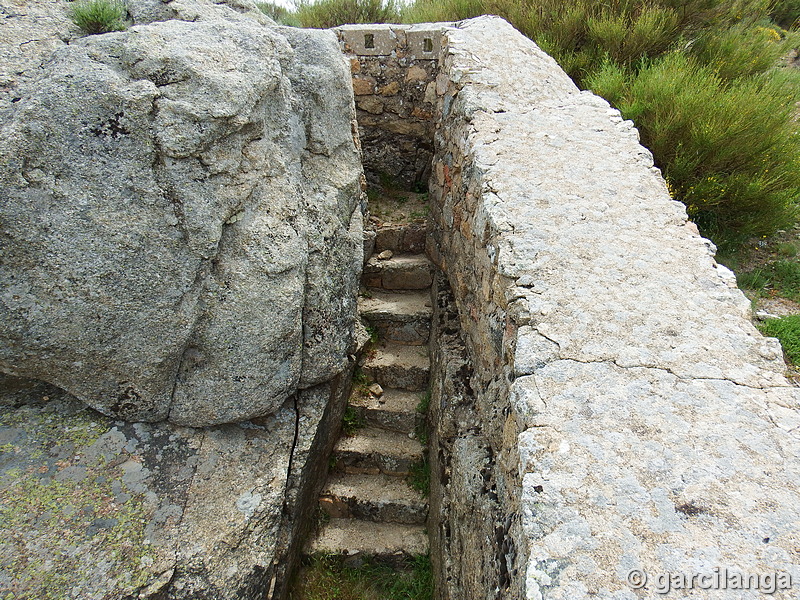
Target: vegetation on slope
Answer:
pixel 330 13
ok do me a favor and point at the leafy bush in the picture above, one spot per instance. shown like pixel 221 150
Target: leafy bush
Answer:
pixel 787 330
pixel 728 150
pixel 431 11
pixel 741 50
pixel 582 33
pixel 99 16
pixel 324 14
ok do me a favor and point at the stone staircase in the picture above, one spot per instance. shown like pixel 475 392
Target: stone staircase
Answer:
pixel 371 508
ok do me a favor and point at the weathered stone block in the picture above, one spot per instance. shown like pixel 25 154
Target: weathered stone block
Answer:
pixel 368 40
pixel 100 509
pixel 363 86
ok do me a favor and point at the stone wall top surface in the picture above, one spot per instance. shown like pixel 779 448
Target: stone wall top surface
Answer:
pixel 657 430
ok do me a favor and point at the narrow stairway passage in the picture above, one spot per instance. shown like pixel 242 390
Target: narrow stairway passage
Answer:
pixel 372 510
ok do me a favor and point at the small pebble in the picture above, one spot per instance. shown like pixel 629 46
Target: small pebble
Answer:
pixel 376 390
pixel 385 255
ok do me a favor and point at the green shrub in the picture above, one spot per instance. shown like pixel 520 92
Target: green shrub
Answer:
pixel 700 80
pixel 787 330
pixel 728 149
pixel 786 13
pixel 741 50
pixel 323 14
pixel 580 34
pixel 280 14
pixel 626 37
pixel 431 11
pixel 99 16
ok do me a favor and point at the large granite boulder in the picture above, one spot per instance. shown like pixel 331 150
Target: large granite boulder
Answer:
pixel 180 230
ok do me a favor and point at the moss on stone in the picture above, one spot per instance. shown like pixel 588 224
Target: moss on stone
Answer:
pixel 77 529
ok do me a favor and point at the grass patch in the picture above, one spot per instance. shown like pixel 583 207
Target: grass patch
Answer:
pixel 787 330
pixel 325 577
pixel 422 213
pixel 786 13
pixel 431 11
pixel 419 476
pixel 352 421
pixel 99 16
pixel 781 277
pixel 424 403
pixel 421 432
pixel 374 335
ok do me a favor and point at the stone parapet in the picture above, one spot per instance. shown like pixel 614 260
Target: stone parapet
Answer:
pixel 630 418
pixel 394 71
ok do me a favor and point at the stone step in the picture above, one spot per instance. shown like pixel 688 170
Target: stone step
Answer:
pixel 372 451
pixel 395 410
pixel 398 366
pixel 386 542
pixel 378 498
pixel 402 272
pixel 403 317
pixel 406 238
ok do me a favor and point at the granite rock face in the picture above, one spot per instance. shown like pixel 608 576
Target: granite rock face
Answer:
pixel 181 226
pixel 94 508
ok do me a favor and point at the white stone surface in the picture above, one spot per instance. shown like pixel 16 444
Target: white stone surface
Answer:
pixel 657 430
